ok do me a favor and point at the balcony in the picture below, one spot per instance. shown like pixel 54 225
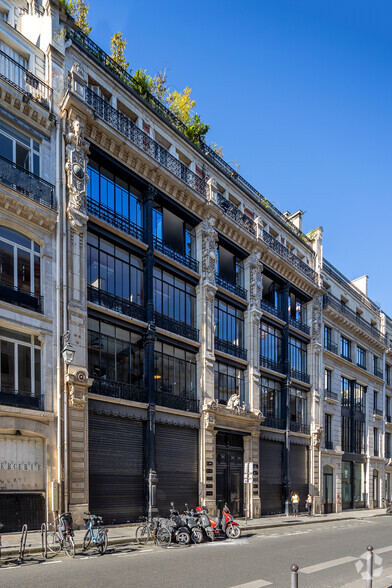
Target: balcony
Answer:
pixel 274 423
pixel 20 399
pixel 378 373
pixel 119 390
pixel 115 219
pixel 127 127
pixel 271 309
pixel 177 402
pixel 23 80
pixel 230 348
pixel 346 357
pixel 299 325
pixel 328 445
pixel 378 412
pixel 178 327
pixel 24 181
pixel 299 428
pixel 185 260
pixel 233 288
pixel 116 303
pixel 19 297
pixel 297 375
pixel 236 215
pixel 331 395
pixel 332 347
pixel 270 364
pixel 295 261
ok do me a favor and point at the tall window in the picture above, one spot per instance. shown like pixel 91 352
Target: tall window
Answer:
pixel 19 148
pixel 328 380
pixel 299 406
pixel 229 266
pixel 345 392
pixel 114 270
pixel 359 436
pixel 327 337
pixel 174 297
pixel 296 308
pixel 345 348
pixel 359 397
pixel 298 355
pixel 173 231
pixel 387 406
pixel 328 430
pixel 20 262
pixel 387 445
pixel 270 398
pixel 388 374
pixel 376 439
pixel 376 396
pixel 20 363
pixel 270 342
pixel 228 380
pixel 376 366
pixel 229 323
pixel 114 354
pixel 346 434
pixel 174 371
pixel 361 357
pixel 114 192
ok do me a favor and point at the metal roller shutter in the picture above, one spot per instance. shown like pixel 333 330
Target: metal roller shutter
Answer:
pixel 19 509
pixel 176 462
pixel 271 491
pixel 299 472
pixel 116 468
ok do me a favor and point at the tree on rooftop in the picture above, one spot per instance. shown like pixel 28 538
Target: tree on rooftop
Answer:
pixel 79 9
pixel 117 50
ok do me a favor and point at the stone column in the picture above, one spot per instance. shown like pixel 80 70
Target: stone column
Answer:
pixel 317 416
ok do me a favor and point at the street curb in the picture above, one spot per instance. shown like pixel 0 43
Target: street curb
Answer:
pixel 32 550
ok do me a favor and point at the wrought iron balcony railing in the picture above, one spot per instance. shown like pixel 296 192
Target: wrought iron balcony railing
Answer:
pixel 20 399
pixel 299 428
pixel 331 300
pixel 186 260
pixel 24 181
pixel 274 423
pixel 233 288
pixel 378 412
pixel 230 348
pixel 178 327
pixel 296 262
pixel 177 402
pixel 20 297
pixel 116 303
pixel 331 395
pixel 299 325
pixel 298 375
pixel 127 127
pixel 270 364
pixel 115 219
pixel 271 309
pixel 332 347
pixel 235 213
pixel 328 445
pixel 119 390
pixel 23 80
pixel 378 373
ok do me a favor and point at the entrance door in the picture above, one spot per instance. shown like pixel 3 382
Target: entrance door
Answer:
pixel 229 472
pixel 328 489
pixel 375 489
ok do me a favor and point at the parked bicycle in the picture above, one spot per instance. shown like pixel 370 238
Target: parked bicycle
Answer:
pixel 156 529
pixel 95 533
pixel 61 535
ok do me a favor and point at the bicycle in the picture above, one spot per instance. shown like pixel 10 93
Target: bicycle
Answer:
pixel 155 529
pixel 61 536
pixel 98 537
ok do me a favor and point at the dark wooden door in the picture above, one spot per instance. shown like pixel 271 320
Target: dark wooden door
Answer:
pixel 229 472
pixel 328 490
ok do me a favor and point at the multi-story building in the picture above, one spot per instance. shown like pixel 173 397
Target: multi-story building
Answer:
pixel 184 325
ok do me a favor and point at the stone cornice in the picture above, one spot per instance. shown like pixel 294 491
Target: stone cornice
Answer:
pixel 27 209
pixel 355 330
pixel 350 366
pixel 28 111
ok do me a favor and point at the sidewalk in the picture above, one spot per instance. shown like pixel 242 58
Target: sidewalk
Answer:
pixel 126 534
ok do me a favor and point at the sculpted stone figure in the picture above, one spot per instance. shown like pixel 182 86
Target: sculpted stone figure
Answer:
pixel 77 178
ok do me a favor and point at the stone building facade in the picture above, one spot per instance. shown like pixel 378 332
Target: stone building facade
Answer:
pixel 184 331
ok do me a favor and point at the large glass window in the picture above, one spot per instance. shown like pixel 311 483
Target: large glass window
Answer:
pixel 328 380
pixel 345 391
pixel 20 262
pixel 19 148
pixel 328 430
pixel 361 357
pixel 359 436
pixel 270 398
pixel 20 363
pixel 229 323
pixel 388 445
pixel 298 355
pixel 114 354
pixel 376 441
pixel 229 266
pixel 345 348
pixel 114 270
pixel 298 406
pixel 174 297
pixel 327 337
pixel 228 380
pixel 270 342
pixel 174 371
pixel 296 308
pixel 359 398
pixel 346 433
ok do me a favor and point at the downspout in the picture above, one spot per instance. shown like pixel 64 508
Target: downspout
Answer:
pixel 58 320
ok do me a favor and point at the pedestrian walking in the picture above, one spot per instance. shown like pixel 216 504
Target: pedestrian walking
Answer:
pixel 295 502
pixel 309 505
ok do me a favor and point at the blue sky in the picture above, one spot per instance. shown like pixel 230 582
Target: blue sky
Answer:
pixel 298 92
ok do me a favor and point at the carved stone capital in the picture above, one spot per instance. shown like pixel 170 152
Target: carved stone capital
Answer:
pixel 78 384
pixel 208 256
pixel 256 280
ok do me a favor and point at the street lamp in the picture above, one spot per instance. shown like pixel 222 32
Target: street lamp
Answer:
pixel 68 352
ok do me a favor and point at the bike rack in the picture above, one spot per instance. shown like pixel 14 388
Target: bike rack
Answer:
pixel 23 538
pixel 44 540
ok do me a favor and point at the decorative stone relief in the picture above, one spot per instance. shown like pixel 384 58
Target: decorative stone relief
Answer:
pixel 209 259
pixel 256 283
pixel 316 437
pixel 78 384
pixel 77 178
pixel 234 404
pixel 316 319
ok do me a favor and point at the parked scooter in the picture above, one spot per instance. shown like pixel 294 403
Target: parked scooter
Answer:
pixel 224 525
pixel 192 523
pixel 178 528
pixel 204 523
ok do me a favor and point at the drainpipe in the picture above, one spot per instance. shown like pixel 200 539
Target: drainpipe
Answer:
pixel 58 317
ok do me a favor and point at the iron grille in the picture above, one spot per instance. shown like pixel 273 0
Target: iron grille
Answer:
pixel 186 260
pixel 17 296
pixel 176 402
pixel 115 219
pixel 178 327
pixel 119 390
pixel 26 182
pixel 121 305
pixel 230 348
pixel 23 80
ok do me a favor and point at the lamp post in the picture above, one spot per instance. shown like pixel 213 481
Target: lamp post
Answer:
pixel 67 352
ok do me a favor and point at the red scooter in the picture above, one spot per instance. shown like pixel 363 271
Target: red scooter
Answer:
pixel 224 525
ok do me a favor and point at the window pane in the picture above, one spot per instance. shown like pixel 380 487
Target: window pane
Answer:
pixel 7 365
pixel 24 276
pixel 22 156
pixel 7 264
pixel 24 369
pixel 6 147
pixel 37 275
pixel 37 372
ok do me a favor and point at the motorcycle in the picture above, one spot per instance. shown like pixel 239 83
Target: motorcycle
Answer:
pixel 224 525
pixel 192 523
pixel 178 528
pixel 204 523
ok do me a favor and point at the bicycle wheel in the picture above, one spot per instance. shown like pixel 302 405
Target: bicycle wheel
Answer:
pixel 102 542
pixel 54 542
pixel 87 540
pixel 163 537
pixel 69 545
pixel 143 534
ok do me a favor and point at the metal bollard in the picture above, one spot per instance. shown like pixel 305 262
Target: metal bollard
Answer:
pixel 294 576
pixel 369 567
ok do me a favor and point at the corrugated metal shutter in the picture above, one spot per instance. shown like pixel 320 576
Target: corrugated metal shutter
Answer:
pixel 116 468
pixel 177 467
pixel 299 472
pixel 271 463
pixel 19 509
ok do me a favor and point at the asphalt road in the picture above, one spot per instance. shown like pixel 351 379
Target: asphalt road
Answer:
pixel 326 553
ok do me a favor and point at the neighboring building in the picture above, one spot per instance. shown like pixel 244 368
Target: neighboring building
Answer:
pixel 195 311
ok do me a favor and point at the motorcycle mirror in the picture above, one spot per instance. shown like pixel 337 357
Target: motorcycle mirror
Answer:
pixel 172 504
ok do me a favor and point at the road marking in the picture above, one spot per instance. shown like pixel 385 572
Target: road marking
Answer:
pixel 48 563
pixel 328 564
pixel 383 549
pixel 135 553
pixel 88 557
pixel 255 584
